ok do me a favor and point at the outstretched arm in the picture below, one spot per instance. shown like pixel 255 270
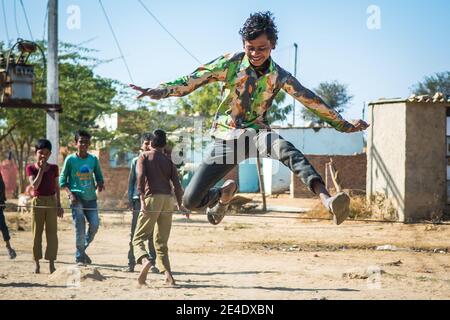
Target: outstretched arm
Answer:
pixel 314 103
pixel 215 70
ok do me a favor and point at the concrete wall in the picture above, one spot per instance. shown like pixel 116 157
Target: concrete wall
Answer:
pixel 426 183
pixel 407 157
pixel 386 154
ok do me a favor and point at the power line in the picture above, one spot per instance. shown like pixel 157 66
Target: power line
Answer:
pixel 6 25
pixel 170 34
pixel 117 41
pixel 15 19
pixel 26 20
pixel 87 41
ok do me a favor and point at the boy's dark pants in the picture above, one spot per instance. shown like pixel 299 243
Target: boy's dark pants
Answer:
pixel 3 226
pixel 225 155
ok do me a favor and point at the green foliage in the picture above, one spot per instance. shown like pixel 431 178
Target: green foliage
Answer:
pixel 278 112
pixel 334 94
pixel 83 96
pixel 205 101
pixel 133 123
pixel 439 82
pixel 201 103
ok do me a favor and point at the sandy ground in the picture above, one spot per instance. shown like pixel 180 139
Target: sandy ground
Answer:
pixel 275 256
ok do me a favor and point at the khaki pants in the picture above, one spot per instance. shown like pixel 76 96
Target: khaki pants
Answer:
pixel 156 213
pixel 44 217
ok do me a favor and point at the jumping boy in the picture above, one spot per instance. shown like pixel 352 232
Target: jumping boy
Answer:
pixel 77 178
pixel 252 80
pixel 46 204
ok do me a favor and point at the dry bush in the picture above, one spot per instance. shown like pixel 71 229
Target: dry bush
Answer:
pixel 379 209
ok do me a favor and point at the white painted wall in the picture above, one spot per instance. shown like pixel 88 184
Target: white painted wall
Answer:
pixel 326 141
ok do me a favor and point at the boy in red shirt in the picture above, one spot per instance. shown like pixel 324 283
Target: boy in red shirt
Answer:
pixel 46 204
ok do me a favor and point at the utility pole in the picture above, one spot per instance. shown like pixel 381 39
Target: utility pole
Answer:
pixel 295 75
pixel 293 114
pixel 52 79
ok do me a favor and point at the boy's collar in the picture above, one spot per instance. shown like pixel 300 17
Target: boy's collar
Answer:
pixel 245 64
pixel 78 156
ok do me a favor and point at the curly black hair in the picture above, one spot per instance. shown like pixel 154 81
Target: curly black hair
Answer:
pixel 257 24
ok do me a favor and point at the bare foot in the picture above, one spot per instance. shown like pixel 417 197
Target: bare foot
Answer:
pixel 228 191
pixel 143 274
pixel 52 266
pixel 170 281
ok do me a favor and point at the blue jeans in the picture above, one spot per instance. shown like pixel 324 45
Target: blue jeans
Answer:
pixel 3 226
pixel 84 210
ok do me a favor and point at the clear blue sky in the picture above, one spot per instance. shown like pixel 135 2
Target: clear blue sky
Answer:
pixel 334 40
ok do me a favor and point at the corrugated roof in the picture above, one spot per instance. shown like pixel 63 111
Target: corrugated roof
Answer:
pixel 438 97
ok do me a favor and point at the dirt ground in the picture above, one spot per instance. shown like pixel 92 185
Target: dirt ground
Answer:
pixel 271 256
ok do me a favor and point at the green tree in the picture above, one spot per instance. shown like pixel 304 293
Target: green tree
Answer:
pixel 334 94
pixel 439 82
pixel 205 101
pixel 133 123
pixel 201 103
pixel 83 96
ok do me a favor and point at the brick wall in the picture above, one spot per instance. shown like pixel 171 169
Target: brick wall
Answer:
pixel 116 182
pixel 352 173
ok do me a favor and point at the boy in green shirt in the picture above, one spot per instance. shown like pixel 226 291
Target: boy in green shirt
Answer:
pixel 77 178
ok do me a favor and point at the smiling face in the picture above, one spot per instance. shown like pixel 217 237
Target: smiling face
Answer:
pixel 258 50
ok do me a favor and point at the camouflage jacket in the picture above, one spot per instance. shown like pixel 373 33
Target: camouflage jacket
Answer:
pixel 248 96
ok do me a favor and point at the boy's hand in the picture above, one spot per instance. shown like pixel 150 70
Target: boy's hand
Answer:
pixel 358 125
pixel 184 211
pixel 100 187
pixel 143 206
pixel 156 94
pixel 42 163
pixel 73 198
pixel 60 211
